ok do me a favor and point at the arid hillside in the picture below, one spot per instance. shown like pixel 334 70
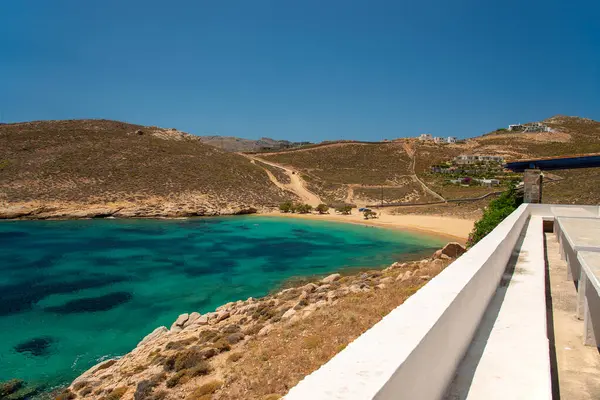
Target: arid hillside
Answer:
pixel 53 167
pixel 231 143
pixel 400 171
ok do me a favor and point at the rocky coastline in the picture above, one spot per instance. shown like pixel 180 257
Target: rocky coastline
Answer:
pixel 193 358
pixel 65 211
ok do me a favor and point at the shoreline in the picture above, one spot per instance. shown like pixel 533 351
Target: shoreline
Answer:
pixel 445 228
pixel 442 227
pixel 241 328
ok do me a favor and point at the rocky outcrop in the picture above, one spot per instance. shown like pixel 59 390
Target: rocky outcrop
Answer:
pixel 451 250
pixel 126 210
pixel 173 360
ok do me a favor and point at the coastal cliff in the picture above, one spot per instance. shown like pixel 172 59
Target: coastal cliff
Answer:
pixel 257 348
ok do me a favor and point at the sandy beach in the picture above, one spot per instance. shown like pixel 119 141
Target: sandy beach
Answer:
pixel 455 229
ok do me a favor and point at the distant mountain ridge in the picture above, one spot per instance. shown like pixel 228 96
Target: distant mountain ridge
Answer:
pixel 236 144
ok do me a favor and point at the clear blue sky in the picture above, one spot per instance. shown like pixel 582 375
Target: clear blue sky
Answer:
pixel 301 70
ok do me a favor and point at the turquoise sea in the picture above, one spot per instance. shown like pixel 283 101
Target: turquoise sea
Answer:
pixel 73 293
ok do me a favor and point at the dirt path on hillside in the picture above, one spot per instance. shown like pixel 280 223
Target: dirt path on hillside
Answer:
pixel 412 153
pixel 296 185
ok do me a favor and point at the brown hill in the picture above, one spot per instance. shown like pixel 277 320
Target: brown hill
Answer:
pixel 359 172
pixel 232 143
pixel 52 168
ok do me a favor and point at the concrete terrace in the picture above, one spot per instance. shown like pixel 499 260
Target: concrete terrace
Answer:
pixel 515 317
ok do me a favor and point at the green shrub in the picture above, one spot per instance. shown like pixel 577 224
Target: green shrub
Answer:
pixel 286 207
pixel 322 208
pixel 303 208
pixel 346 210
pixel 495 213
pixel 179 377
pixel 206 389
pixel 370 214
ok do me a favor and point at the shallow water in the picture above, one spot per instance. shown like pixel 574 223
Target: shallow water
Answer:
pixel 76 292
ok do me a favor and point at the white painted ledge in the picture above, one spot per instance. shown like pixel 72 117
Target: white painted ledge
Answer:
pixel 509 357
pixel 413 352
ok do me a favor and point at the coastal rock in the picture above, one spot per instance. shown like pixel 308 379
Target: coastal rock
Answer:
pixel 288 314
pixel 180 321
pixel 320 304
pixel 222 316
pixel 403 277
pixel 355 288
pixel 452 250
pixel 323 288
pixel 303 295
pixel 158 332
pixel 386 280
pixel 437 263
pixel 331 278
pixel 309 288
pixel 193 318
pixel 225 307
pixel 12 212
pixel 265 330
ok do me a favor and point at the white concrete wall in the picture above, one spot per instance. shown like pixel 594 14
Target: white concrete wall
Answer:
pixel 557 210
pixel 413 352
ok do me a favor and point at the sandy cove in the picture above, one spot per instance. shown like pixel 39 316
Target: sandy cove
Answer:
pixel 448 228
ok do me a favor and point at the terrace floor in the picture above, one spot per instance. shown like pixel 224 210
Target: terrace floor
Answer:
pixel 578 366
pixel 509 331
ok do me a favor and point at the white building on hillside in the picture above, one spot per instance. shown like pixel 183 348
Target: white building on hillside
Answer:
pixel 477 158
pixel 531 127
pixel 438 139
pixel 425 136
pixel 451 139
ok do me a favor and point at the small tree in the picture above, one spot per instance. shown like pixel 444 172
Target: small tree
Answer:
pixel 286 207
pixel 370 214
pixel 303 208
pixel 322 208
pixel 345 210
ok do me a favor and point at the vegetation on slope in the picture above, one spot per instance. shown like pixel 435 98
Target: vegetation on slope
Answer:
pixel 495 213
pixel 349 163
pixel 109 161
pixel 330 169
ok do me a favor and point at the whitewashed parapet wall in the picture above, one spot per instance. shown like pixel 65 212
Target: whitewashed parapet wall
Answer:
pixel 413 352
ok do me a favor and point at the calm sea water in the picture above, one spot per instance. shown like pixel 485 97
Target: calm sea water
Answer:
pixel 76 292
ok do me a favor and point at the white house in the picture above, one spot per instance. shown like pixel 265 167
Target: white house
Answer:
pixel 531 127
pixel 472 159
pixel 450 139
pixel 439 140
pixel 425 136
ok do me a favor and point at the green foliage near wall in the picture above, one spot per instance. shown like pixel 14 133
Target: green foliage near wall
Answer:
pixel 495 213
